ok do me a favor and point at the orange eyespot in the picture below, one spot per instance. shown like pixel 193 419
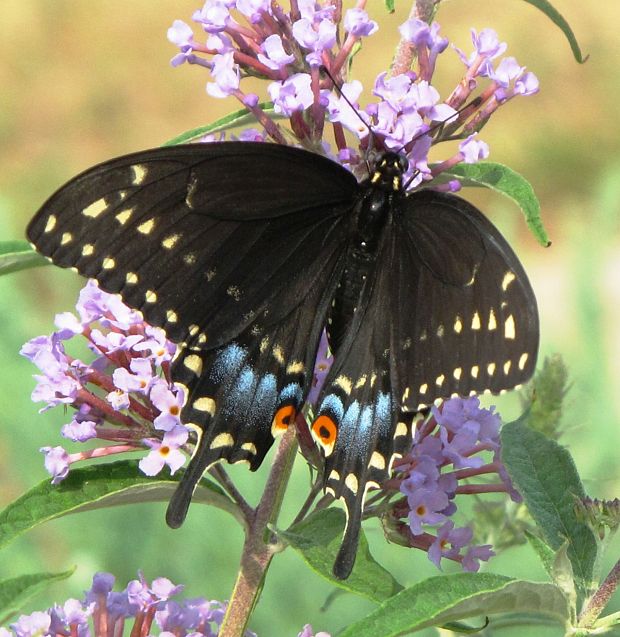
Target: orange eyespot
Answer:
pixel 283 418
pixel 325 430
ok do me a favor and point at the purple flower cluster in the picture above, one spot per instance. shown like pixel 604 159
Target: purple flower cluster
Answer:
pixel 124 395
pixel 446 450
pixel 291 50
pixel 104 612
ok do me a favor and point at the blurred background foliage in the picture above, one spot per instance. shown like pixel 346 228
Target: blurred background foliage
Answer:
pixel 83 81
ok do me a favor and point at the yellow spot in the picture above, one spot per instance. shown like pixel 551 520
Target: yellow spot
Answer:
pixel 475 321
pixel 171 316
pixel 88 249
pixel 202 338
pixel 423 335
pixel 193 362
pixel 108 263
pixel 351 482
pixel 491 369
pixel 344 382
pixel 377 461
pixel 123 216
pixel 334 475
pixel 146 227
pixel 204 403
pixel 509 327
pixel 331 492
pixel 423 388
pixel 507 366
pixel 361 381
pixel 67 237
pixel 405 395
pixel 170 241
pixel 474 371
pixel 139 174
pixel 440 331
pixel 439 380
pixel 222 440
pixel 523 360
pixel 401 430
pixel 296 367
pixel 51 223
pixel 457 373
pixel 492 322
pixel 194 329
pixel 150 296
pixel 373 378
pixel 250 447
pixel 234 292
pixel 189 258
pixel 95 208
pixel 131 278
pixel 509 277
pixel 458 325
pixel 278 354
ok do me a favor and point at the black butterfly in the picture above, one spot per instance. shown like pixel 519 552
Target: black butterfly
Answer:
pixel 245 252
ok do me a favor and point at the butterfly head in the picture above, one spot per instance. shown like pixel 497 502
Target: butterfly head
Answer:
pixel 388 171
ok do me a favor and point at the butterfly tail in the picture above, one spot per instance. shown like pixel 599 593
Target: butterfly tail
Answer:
pixel 348 549
pixel 202 459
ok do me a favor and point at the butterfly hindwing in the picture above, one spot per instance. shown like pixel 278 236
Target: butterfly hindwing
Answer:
pixel 242 395
pixel 358 424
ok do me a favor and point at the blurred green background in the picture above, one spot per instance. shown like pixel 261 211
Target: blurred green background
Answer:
pixel 83 81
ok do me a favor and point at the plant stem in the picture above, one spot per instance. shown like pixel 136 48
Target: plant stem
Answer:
pixel 258 548
pixel 599 600
pixel 405 51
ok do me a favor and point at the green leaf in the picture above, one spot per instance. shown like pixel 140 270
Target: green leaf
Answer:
pixel 545 553
pixel 556 17
pixel 508 182
pixel 96 487
pixel 19 255
pixel 438 601
pixel 15 592
pixel 317 539
pixel 545 475
pixel 237 118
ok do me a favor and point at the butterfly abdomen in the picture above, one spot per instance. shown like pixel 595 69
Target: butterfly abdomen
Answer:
pixel 369 219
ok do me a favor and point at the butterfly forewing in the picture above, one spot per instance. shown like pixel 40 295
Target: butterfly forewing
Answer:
pixel 464 316
pixel 187 236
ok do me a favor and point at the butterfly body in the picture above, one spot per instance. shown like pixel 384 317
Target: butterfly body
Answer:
pixel 245 252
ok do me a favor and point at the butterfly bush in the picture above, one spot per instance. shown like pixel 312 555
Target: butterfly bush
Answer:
pixel 147 608
pixel 125 396
pixel 297 51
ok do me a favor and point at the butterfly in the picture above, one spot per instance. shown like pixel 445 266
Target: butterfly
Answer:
pixel 244 253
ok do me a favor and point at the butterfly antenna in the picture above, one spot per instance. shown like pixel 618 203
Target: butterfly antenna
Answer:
pixel 355 109
pixel 474 103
